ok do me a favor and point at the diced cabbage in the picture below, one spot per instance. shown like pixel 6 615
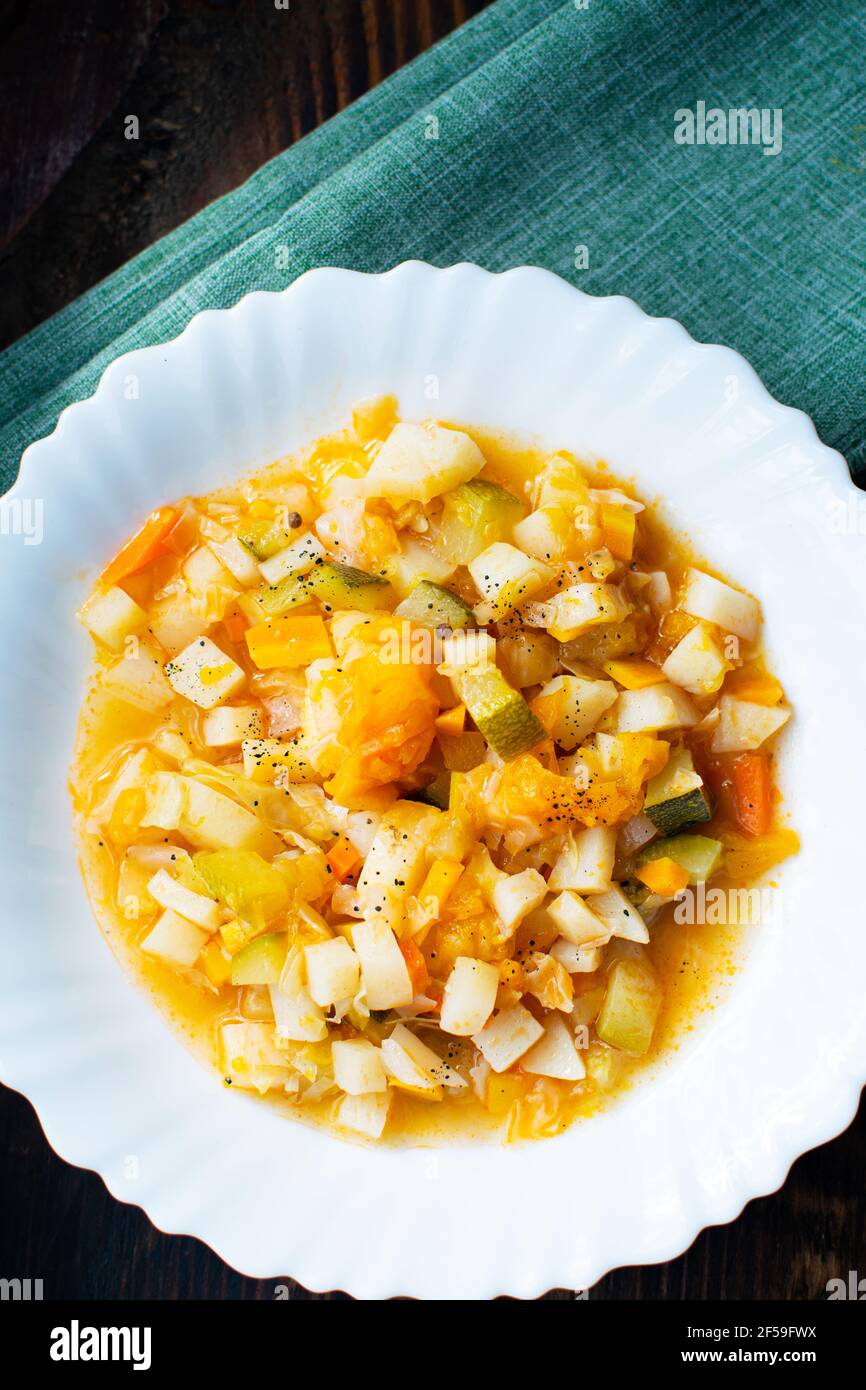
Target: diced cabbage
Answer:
pixel 396 862
pixel 620 915
pixel 580 607
pixel 207 818
pixel 570 707
pixel 507 577
pixel 139 679
pixel 586 861
pixel 384 971
pixel 654 709
pixel 441 1071
pixel 195 907
pixel 231 724
pixel 514 895
pixel 366 1115
pixel 249 1057
pixel 578 960
pixel 577 921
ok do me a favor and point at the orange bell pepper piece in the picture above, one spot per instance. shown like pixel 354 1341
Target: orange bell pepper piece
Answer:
pixel 453 721
pixel 144 547
pixel 752 792
pixel 618 527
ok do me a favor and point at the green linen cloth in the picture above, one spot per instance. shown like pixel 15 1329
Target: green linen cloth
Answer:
pixel 543 132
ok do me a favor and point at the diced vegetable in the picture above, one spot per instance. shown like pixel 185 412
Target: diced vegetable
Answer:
pixel 296 1015
pixel 631 1006
pixel 618 529
pixel 267 758
pixel 440 880
pixel 577 921
pixel 144 547
pixel 300 558
pixel 715 602
pixel 343 859
pixel 248 886
pixel 526 656
pixel 470 994
pixel 441 1070
pixel 507 1036
pixel 358 1067
pixel 499 712
pixel 407 1073
pixel 753 792
pixel 366 1115
pixel 663 876
pixel 274 600
pixel 231 724
pixel 140 679
pixel 696 663
pixel 432 606
pixel 474 516
pixel 582 606
pixel 384 971
pixel 396 863
pixel 111 616
pixel 195 907
pixel 419 462
pixel 413 564
pixel 249 1057
pixel 634 674
pixel 547 534
pixel 697 854
pixel 506 577
pixel 237 559
pixel 744 726
pixel 620 916
pixel 175 621
pixel 333 971
pixel 261 961
pixel 577 960
pixel 452 722
pixel 207 818
pixel 341 586
pixel 555 1053
pixel 586 861
pixel 204 675
pixel 290 641
pixel 465 649
pixel 657 708
pixel 517 894
pixel 175 940
pixel 754 686
pixel 569 708
pixel 676 796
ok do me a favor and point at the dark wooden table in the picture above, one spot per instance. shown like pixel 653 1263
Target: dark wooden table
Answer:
pixel 219 87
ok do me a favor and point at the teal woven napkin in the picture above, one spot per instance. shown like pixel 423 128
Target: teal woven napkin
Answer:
pixel 582 136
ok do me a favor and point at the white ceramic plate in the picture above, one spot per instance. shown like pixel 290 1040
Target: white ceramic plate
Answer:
pixel 779 1065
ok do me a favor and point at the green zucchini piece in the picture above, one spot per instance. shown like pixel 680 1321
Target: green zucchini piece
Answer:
pixel 631 1006
pixel 277 599
pixel 697 854
pixel 244 881
pixel 676 796
pixel 261 961
pixel 474 515
pixel 430 605
pixel 499 711
pixel 436 793
pixel 342 586
pixel 263 538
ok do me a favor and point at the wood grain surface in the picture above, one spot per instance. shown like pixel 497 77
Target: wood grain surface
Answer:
pixel 219 88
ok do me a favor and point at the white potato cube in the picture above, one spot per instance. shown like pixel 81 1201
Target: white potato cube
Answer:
pixel 195 907
pixel 573 706
pixel 366 1115
pixel 577 921
pixel 406 1072
pixel 383 969
pixel 620 915
pixel 583 606
pixel 578 960
pixel 240 564
pixel 202 569
pixel 506 577
pixel 654 709
pixel 204 675
pixel 248 1056
pixel 743 725
pixel 470 994
pixel 504 1039
pixel 441 1071
pixel 297 1016
pixel 112 616
pixel 333 971
pixel 546 534
pixel 418 462
pixel 358 1067
pixel 696 663
pixel 231 724
pixel 586 861
pixel 715 602
pixel 139 679
pixel 175 940
pixel 555 1053
pixel 517 894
